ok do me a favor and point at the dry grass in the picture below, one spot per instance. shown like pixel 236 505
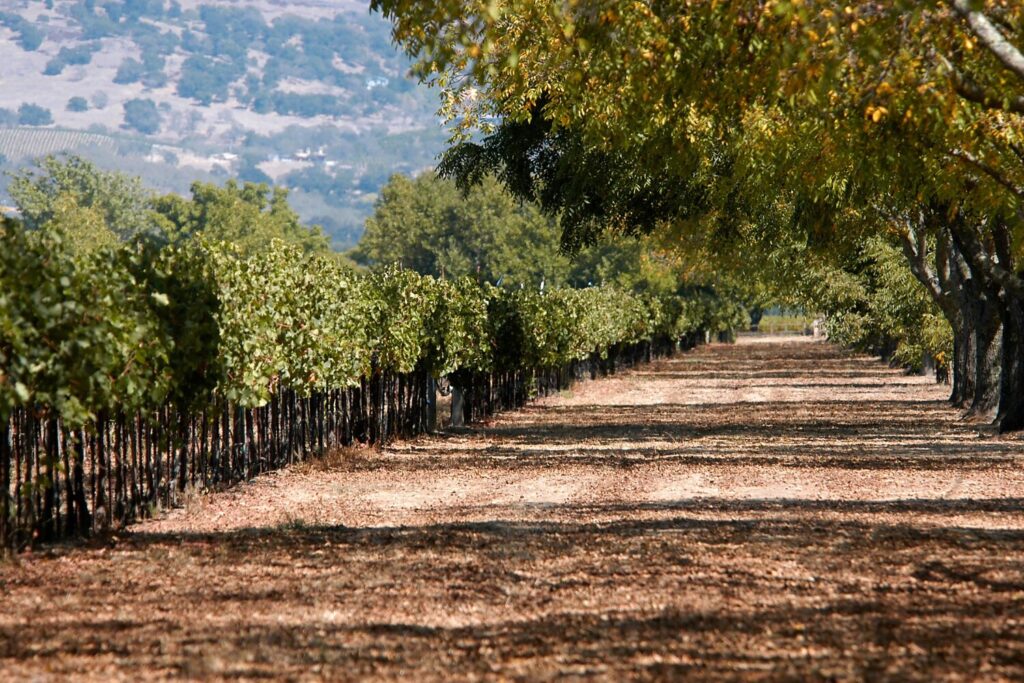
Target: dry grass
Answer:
pixel 334 459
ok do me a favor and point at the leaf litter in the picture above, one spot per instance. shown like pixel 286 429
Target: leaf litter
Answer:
pixel 761 511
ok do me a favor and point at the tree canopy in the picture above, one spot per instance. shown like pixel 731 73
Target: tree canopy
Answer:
pixel 809 124
pixel 428 225
pixel 91 206
pixel 34 115
pixel 142 115
pixel 248 215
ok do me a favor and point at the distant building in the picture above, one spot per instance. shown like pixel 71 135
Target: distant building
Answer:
pixel 308 154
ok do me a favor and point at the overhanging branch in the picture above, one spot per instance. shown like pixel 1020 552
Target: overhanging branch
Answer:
pixel 917 259
pixel 971 246
pixel 969 90
pixel 988 170
pixel 991 37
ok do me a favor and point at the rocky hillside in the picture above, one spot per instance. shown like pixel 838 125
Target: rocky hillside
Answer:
pixel 309 94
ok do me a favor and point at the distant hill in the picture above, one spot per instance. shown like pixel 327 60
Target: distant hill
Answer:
pixel 309 94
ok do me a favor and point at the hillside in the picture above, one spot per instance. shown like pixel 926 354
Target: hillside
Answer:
pixel 309 94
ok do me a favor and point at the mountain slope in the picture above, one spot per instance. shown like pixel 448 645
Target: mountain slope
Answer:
pixel 309 94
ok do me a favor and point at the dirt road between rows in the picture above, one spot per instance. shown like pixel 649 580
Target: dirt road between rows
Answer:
pixel 772 510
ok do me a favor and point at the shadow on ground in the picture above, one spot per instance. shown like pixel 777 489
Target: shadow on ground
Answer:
pixel 709 589
pixel 701 589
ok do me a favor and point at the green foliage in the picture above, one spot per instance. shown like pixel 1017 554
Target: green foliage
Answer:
pixel 78 104
pixel 34 115
pixel 114 300
pixel 635 264
pixel 54 67
pixel 247 215
pixel 207 80
pixel 796 133
pixel 457 327
pixel 397 313
pixel 428 225
pixel 29 37
pixel 134 326
pixel 594 191
pixel 79 55
pixel 130 71
pixel 87 203
pixel 142 115
pixel 877 305
pixel 76 336
pixel 548 330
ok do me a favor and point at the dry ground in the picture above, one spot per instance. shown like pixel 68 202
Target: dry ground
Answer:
pixel 770 510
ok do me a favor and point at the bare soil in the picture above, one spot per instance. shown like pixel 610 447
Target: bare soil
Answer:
pixel 773 510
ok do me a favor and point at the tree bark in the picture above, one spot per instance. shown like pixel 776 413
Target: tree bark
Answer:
pixel 1010 416
pixel 48 519
pixel 986 325
pixel 951 270
pixel 991 37
pixel 971 299
pixel 990 260
pixel 945 278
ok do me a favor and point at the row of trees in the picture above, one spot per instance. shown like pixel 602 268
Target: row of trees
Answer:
pixel 131 373
pixel 129 327
pixel 797 132
pixel 140 114
pixel 93 208
pixel 429 225
pixel 28 114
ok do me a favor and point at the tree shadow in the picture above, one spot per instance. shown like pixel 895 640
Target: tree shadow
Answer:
pixel 892 435
pixel 774 588
pixel 698 588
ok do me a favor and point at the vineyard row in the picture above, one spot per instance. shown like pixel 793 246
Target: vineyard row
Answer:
pixel 130 375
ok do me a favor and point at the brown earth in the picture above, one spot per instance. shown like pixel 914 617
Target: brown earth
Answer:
pixel 773 510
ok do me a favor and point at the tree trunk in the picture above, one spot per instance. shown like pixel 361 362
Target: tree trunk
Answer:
pixel 1010 416
pixel 756 313
pixel 988 252
pixel 183 440
pixel 48 519
pixel 430 397
pixel 963 364
pixel 101 509
pixel 986 324
pixel 458 407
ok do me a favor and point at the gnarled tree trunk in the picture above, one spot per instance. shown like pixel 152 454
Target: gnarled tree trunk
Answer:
pixel 969 299
pixel 1010 416
pixel 990 260
pixel 986 323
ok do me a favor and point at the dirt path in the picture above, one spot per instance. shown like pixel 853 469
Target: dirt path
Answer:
pixel 769 510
